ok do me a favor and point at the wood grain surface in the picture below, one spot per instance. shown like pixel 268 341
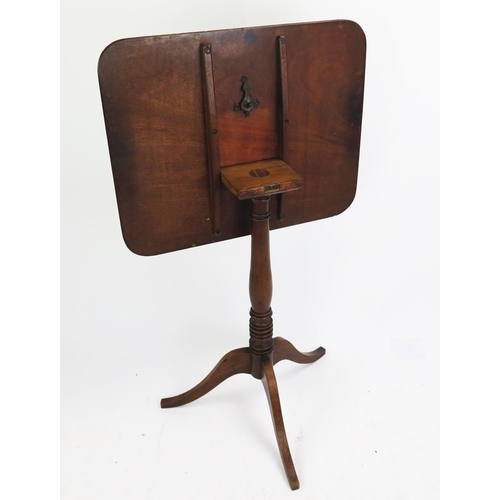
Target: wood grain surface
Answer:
pixel 154 101
pixel 260 178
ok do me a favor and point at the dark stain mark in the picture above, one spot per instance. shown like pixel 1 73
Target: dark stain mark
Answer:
pixel 250 37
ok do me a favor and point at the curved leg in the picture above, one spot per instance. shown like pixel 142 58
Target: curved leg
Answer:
pixel 285 350
pixel 234 362
pixel 271 388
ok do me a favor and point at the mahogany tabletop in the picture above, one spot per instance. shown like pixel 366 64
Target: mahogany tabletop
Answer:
pixel 155 115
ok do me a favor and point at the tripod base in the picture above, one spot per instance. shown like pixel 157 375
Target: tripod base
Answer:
pixel 260 366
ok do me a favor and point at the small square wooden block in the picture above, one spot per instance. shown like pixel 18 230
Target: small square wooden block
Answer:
pixel 260 178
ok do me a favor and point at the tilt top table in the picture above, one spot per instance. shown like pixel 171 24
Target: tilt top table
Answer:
pixel 221 134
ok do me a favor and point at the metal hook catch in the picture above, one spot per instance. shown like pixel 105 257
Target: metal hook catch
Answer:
pixel 247 104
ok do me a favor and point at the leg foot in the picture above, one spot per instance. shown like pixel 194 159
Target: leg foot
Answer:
pixel 234 362
pixel 271 388
pixel 285 350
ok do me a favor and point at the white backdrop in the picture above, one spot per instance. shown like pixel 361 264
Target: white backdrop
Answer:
pixel 363 422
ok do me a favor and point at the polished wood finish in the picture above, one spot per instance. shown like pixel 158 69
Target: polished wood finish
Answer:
pixel 261 285
pixel 271 388
pixel 271 113
pixel 284 117
pixel 283 79
pixel 283 349
pixel 242 361
pixel 153 98
pixel 233 363
pixel 263 350
pixel 212 137
pixel 260 178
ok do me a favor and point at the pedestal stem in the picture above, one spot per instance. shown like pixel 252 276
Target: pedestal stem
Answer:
pixel 261 285
pixel 264 351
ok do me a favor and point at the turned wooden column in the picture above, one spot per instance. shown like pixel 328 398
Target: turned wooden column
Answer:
pixel 261 286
